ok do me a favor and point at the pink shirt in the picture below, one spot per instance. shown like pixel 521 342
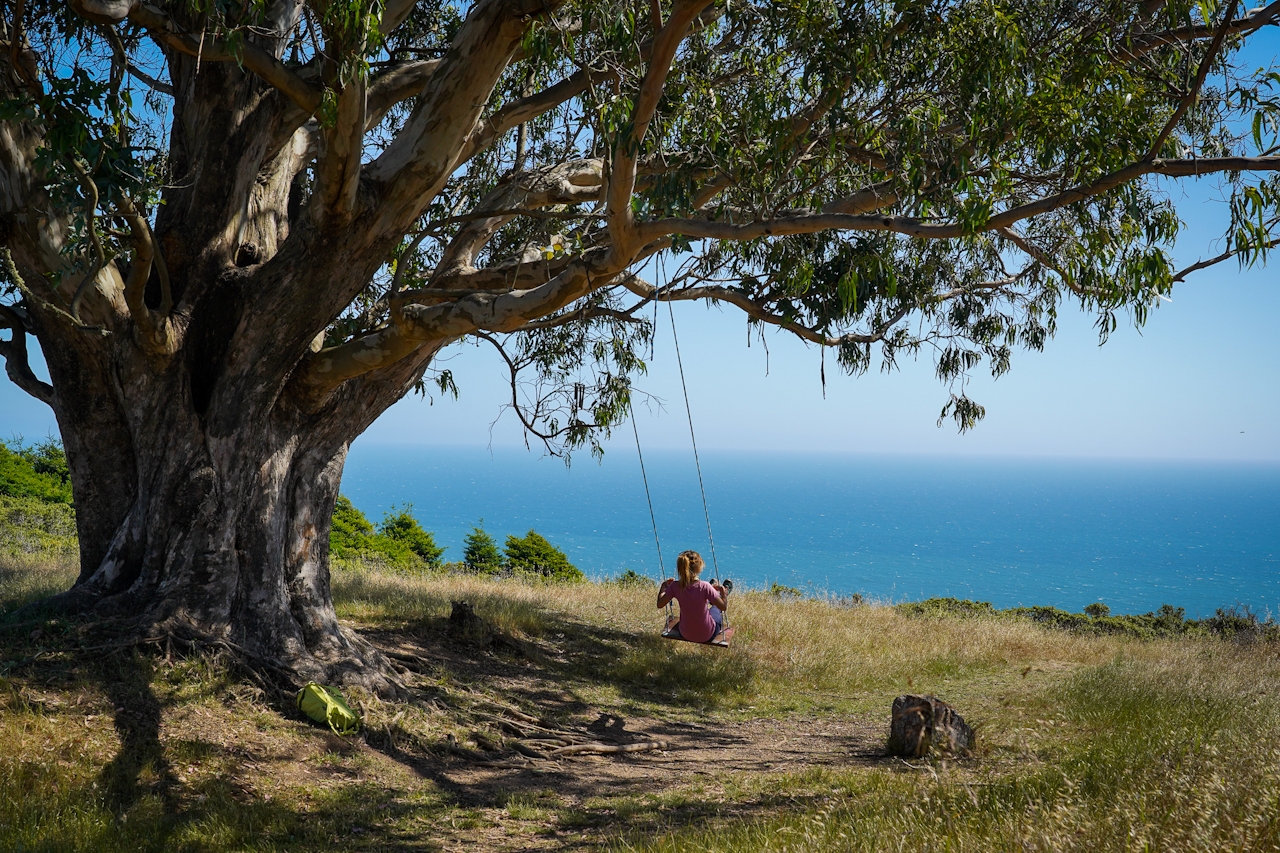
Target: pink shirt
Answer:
pixel 696 623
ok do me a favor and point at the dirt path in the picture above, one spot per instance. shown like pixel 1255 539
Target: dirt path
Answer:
pixel 589 796
pixel 694 749
pixel 683 784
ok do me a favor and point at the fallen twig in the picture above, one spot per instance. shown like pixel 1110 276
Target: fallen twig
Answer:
pixel 519 715
pixel 413 662
pixel 608 749
pixel 523 749
pixel 523 731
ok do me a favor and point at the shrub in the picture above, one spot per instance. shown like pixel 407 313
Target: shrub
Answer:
pixel 37 471
pixel 401 542
pixel 403 527
pixel 780 590
pixel 1241 623
pixel 1097 610
pixel 32 526
pixel 634 580
pixel 348 530
pixel 946 607
pixel 534 554
pixel 480 551
pixel 1169 619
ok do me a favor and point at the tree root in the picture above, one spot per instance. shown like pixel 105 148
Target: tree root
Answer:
pixel 609 749
pixel 541 743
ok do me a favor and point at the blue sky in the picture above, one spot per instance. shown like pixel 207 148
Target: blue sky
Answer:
pixel 1200 381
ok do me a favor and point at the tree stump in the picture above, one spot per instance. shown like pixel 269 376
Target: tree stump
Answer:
pixel 464 624
pixel 922 725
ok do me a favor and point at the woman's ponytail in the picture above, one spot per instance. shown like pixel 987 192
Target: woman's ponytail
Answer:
pixel 688 564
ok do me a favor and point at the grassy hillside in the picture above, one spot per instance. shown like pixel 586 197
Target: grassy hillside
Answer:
pixel 1087 740
pixel 36 517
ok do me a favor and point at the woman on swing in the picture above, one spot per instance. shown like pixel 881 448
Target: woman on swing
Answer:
pixel 702 605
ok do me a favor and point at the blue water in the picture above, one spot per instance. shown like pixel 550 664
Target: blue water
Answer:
pixel 1059 532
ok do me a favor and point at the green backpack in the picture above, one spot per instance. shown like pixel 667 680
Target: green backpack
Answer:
pixel 326 705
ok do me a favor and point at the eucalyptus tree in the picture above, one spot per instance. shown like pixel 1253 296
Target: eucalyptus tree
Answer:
pixel 241 230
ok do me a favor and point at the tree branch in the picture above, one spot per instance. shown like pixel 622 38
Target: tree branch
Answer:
pixel 153 326
pixel 418 161
pixel 154 84
pixel 413 325
pixel 166 31
pixel 1210 55
pixel 11 269
pixel 90 189
pixel 530 107
pixel 16 363
pixel 398 84
pixel 546 438
pixel 1045 260
pixel 758 312
pixel 811 222
pixel 1256 19
pixel 586 312
pixel 338 164
pixel 1182 274
pixel 873 198
pixel 626 152
pixel 526 109
pixel 573 182
pixel 395 13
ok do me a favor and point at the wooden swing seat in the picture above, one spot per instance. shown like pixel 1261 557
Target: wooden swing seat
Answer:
pixel 671 632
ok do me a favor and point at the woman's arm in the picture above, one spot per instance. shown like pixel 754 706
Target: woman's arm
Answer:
pixel 722 601
pixel 663 596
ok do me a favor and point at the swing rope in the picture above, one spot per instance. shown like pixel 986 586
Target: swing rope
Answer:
pixel 645 477
pixel 697 464
pixel 693 439
pixel 662 569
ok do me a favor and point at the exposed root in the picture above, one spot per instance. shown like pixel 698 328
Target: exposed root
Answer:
pixel 609 749
pixel 347 659
pixel 542 743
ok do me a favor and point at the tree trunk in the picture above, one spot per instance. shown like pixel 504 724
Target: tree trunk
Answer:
pixel 205 468
pixel 215 535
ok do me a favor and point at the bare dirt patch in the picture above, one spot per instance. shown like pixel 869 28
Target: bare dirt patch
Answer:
pixel 507 695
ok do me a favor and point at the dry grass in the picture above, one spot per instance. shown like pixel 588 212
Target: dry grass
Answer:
pixel 1094 742
pixel 1176 752
pixel 25 578
pixel 788 654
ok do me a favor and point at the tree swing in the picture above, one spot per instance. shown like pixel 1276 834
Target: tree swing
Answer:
pixel 670 630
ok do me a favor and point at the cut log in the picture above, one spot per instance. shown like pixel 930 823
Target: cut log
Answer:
pixel 925 725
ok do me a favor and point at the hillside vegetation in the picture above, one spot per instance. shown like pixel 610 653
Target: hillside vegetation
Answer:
pixel 36 515
pixel 1087 740
pixel 37 519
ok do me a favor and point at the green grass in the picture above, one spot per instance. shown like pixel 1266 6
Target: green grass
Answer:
pixel 1087 741
pixel 32 527
pixel 1183 755
pixel 27 578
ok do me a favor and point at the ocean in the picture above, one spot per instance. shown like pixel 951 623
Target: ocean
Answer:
pixel 1060 532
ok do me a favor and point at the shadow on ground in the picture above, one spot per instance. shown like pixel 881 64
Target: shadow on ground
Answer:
pixel 140 798
pixel 667 693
